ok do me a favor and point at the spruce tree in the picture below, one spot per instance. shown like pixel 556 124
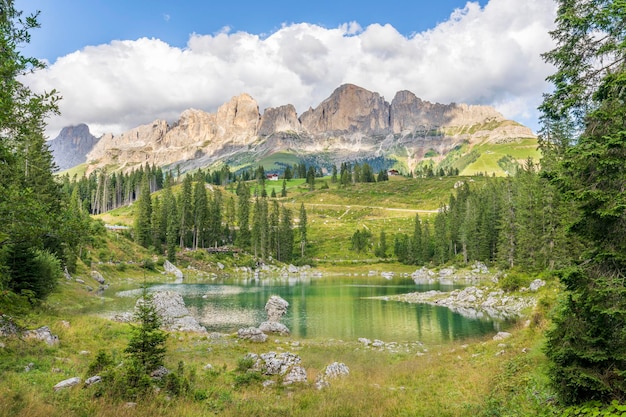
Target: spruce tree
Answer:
pixel 302 226
pixel 143 228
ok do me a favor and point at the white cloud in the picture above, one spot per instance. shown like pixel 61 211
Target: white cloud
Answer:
pixel 487 55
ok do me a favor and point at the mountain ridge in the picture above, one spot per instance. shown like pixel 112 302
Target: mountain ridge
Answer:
pixel 352 124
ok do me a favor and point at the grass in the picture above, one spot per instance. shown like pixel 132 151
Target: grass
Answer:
pixel 478 377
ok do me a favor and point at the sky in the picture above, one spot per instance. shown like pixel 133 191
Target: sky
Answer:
pixel 119 64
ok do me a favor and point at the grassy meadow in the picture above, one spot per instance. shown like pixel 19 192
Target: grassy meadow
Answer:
pixel 478 377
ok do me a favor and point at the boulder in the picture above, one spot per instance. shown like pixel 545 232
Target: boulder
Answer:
pixel 174 315
pixel 252 334
pixel 93 380
pixel 43 334
pixel 274 327
pixel 97 276
pixel 276 307
pixel 536 284
pixel 67 383
pixel 8 327
pixel 172 269
pixel 502 336
pixel 332 371
pixel 296 374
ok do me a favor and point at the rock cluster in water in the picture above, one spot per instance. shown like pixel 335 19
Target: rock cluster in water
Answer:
pixel 174 315
pixel 276 308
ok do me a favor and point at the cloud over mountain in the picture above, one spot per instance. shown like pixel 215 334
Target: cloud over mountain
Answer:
pixel 488 55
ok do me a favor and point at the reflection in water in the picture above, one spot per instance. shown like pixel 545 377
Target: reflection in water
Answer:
pixel 335 307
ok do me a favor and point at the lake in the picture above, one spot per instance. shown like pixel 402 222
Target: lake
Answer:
pixel 331 307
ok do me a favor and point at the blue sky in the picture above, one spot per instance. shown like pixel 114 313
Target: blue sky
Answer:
pixel 119 64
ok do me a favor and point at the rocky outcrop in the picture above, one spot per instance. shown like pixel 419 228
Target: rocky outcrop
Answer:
pixel 174 315
pixel 172 269
pixel 44 334
pixel 252 334
pixel 67 383
pixel 472 302
pixel 333 371
pixel 71 146
pixel 279 119
pixel 276 308
pixel 348 109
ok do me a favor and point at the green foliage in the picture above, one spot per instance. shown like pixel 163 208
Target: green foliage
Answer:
pixel 146 348
pixel 361 240
pixel 596 409
pixel 513 281
pixel 34 270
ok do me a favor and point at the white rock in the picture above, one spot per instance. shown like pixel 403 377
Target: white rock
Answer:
pixel 67 383
pixel 502 336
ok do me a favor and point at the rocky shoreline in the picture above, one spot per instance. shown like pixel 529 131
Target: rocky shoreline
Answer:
pixel 472 302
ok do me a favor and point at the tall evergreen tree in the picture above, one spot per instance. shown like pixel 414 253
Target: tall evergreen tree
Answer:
pixel 143 227
pixel 302 227
pixel 587 346
pixel 243 215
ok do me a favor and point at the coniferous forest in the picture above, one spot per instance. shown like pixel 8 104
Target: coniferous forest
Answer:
pixel 562 217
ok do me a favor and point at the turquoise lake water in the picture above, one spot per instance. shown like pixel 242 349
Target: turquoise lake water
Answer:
pixel 335 307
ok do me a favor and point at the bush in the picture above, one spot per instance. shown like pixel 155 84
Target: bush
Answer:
pixel 513 281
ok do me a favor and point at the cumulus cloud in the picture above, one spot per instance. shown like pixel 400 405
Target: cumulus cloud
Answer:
pixel 480 55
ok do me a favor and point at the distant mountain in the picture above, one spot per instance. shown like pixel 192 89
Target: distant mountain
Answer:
pixel 72 145
pixel 353 125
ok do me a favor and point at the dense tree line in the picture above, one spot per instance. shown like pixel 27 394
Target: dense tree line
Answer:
pixel 201 216
pixel 517 221
pixel 100 191
pixel 43 229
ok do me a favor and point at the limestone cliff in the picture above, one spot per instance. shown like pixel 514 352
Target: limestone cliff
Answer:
pixel 71 146
pixel 353 123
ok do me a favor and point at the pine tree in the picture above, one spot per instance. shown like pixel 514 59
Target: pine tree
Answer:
pixel 146 346
pixel 185 210
pixel 243 215
pixel 302 225
pixel 143 228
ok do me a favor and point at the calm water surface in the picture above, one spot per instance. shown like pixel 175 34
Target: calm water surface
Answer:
pixel 331 307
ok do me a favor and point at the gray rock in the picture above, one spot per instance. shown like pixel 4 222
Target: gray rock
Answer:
pixel 332 371
pixel 336 369
pixel 252 334
pixel 159 372
pixel 536 284
pixel 502 336
pixel 274 327
pixel 220 265
pixel 80 281
pixel 98 277
pixel 276 307
pixel 174 315
pixel 43 334
pixel 67 383
pixel 296 374
pixel 8 327
pixel 93 380
pixel 273 363
pixel 365 341
pixel 172 269
pixel 292 269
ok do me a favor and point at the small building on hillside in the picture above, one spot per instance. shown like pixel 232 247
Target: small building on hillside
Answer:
pixel 393 172
pixel 272 177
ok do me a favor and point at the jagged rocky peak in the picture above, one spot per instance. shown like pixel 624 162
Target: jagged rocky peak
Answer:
pixel 279 119
pixel 71 146
pixel 240 116
pixel 409 112
pixel 349 109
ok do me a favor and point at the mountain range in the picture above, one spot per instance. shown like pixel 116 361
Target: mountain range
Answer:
pixel 351 125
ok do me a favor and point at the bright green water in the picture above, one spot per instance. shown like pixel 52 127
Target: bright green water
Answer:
pixel 331 307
